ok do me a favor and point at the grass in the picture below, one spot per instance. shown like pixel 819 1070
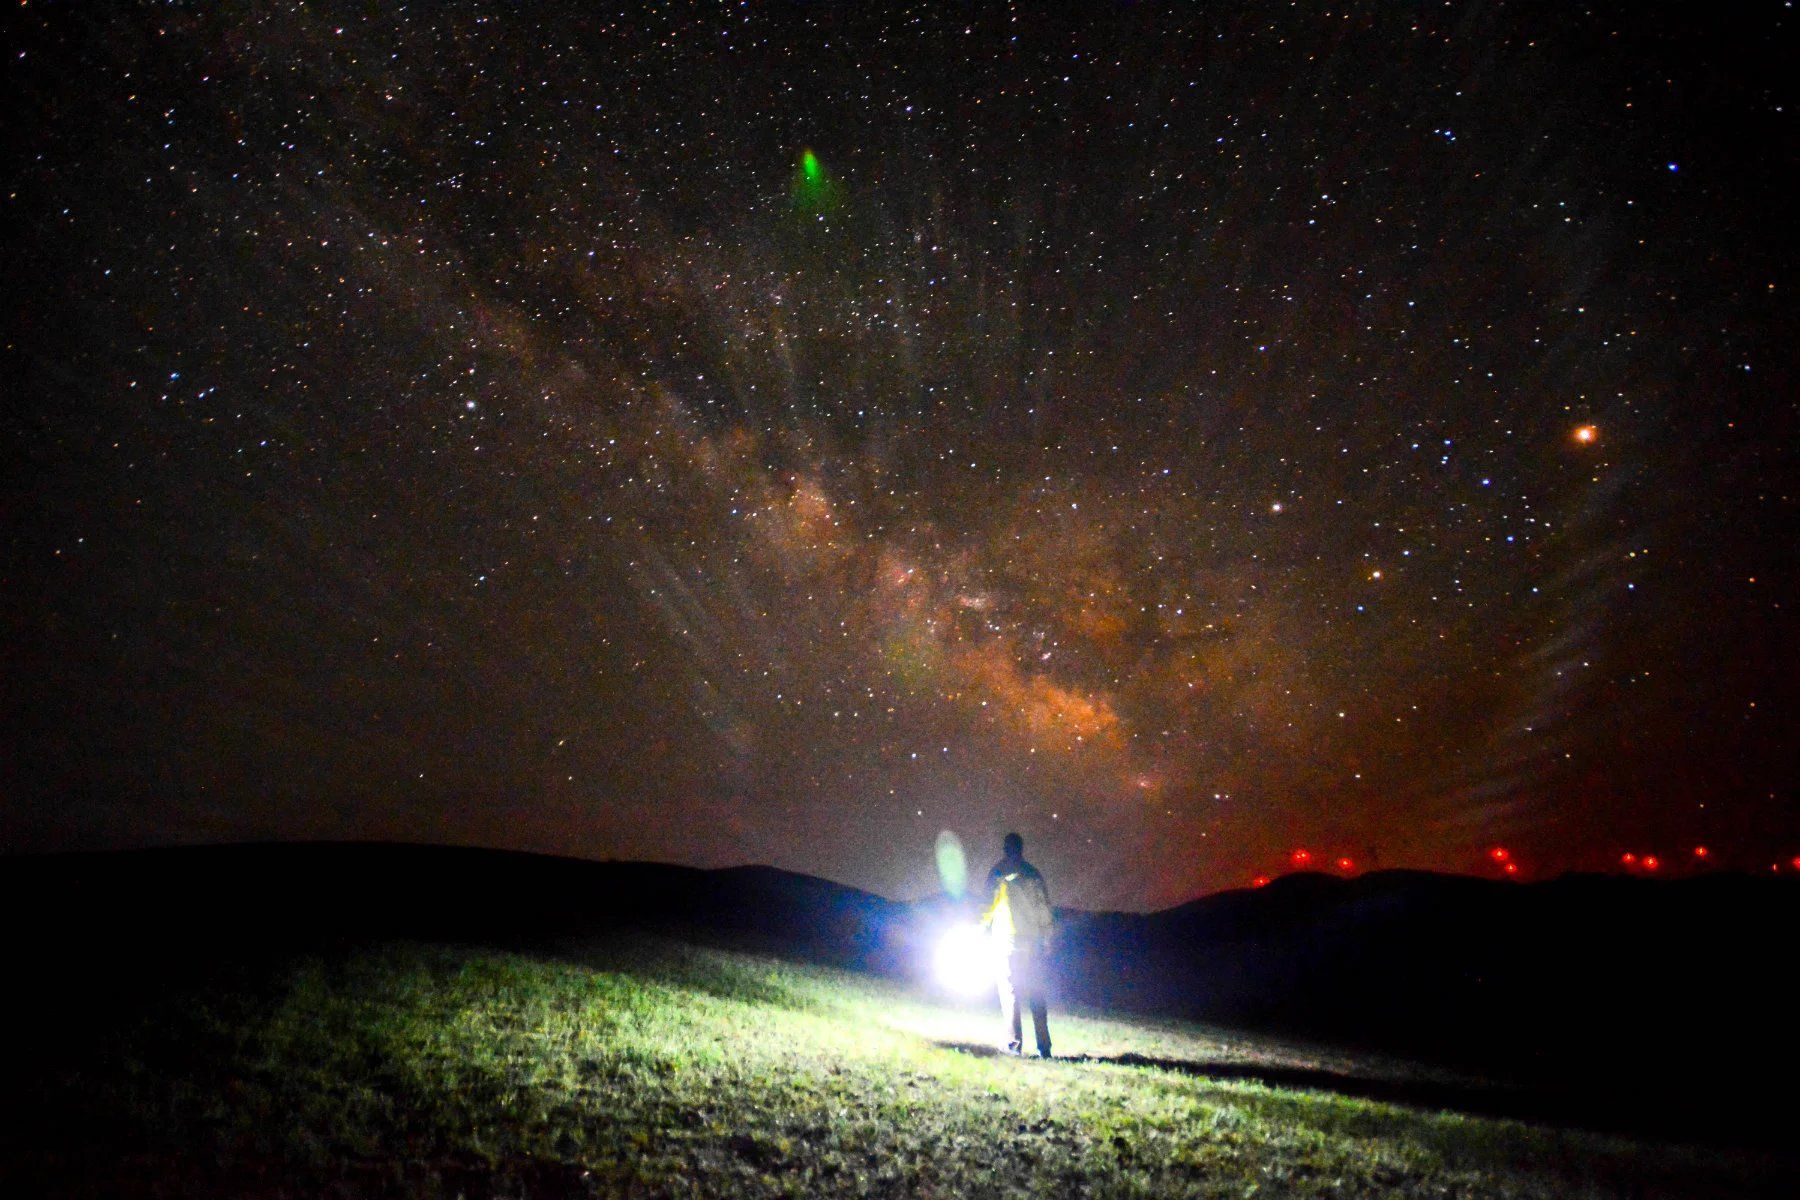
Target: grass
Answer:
pixel 652 1068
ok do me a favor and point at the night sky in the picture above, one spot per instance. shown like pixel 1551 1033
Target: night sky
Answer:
pixel 781 434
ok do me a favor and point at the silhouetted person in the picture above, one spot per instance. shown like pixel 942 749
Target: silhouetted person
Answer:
pixel 1019 917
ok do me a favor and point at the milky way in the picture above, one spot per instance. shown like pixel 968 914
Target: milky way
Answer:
pixel 783 434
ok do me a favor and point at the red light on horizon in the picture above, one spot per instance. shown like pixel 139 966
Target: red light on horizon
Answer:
pixel 1302 857
pixel 1701 852
pixel 1260 881
pixel 1651 862
pixel 1344 864
pixel 1499 854
pixel 1628 858
pixel 1511 868
pixel 1795 862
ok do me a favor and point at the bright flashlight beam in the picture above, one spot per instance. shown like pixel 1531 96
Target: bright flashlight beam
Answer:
pixel 966 960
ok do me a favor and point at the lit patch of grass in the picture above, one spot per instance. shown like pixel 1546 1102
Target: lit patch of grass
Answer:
pixel 651 1068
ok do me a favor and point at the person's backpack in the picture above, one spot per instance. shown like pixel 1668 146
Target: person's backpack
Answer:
pixel 1026 899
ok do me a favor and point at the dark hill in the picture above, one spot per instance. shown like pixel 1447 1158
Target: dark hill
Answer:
pixel 1667 1001
pixel 144 906
pixel 1402 956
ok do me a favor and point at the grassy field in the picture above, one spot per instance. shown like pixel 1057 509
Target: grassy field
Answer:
pixel 651 1068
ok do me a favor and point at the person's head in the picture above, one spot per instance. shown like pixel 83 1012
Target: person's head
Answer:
pixel 1013 846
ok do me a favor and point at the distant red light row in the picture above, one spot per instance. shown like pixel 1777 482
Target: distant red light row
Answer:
pixel 1650 862
pixel 1502 857
pixel 1301 858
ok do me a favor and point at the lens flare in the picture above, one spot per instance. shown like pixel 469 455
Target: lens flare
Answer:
pixel 952 864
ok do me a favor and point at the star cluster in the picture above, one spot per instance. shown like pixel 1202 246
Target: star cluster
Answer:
pixel 783 433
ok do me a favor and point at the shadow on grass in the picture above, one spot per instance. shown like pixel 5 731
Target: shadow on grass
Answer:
pixel 1596 1111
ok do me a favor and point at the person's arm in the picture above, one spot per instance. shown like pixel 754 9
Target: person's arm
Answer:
pixel 987 917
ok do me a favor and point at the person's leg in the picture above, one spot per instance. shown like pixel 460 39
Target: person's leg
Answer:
pixel 1040 1008
pixel 1009 1001
pixel 1019 967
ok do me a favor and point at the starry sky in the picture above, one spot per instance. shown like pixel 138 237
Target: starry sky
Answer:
pixel 765 433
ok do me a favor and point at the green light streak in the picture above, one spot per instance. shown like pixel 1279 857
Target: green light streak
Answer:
pixel 813 190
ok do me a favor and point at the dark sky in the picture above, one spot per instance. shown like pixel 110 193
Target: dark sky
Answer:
pixel 1158 430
